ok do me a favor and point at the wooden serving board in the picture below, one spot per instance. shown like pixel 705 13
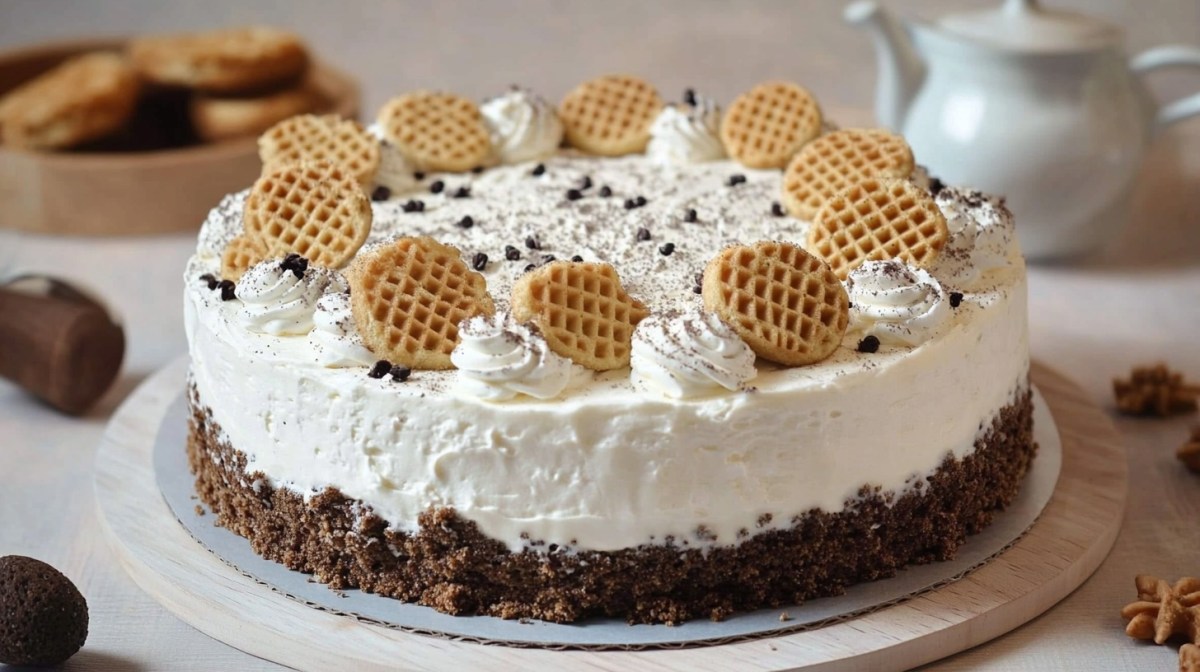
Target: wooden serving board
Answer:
pixel 1069 541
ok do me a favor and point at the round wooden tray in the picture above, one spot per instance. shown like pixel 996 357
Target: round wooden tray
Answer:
pixel 1069 541
pixel 124 193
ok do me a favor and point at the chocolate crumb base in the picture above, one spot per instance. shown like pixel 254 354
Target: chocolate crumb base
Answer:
pixel 448 564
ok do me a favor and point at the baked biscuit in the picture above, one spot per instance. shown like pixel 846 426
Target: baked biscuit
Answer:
pixel 610 115
pixel 218 118
pixel 833 161
pixel 437 131
pixel 768 124
pixel 330 138
pixel 231 60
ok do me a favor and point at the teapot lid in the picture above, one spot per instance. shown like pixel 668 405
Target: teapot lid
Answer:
pixel 1023 25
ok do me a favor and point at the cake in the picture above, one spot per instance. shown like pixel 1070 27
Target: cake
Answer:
pixel 622 382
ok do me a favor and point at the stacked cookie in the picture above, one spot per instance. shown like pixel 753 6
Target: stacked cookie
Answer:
pixel 164 91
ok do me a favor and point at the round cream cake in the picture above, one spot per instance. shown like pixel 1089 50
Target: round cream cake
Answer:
pixel 698 480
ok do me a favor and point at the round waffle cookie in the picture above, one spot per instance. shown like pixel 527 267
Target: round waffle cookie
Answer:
pixel 312 208
pixel 768 124
pixel 785 303
pixel 83 99
pixel 582 311
pixel 309 137
pixel 232 60
pixel 610 115
pixel 833 161
pixel 876 219
pixel 240 254
pixel 437 131
pixel 222 117
pixel 408 298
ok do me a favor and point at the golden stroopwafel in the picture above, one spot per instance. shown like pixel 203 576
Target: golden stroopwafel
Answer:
pixel 610 115
pixel 768 124
pixel 582 311
pixel 240 254
pixel 313 208
pixel 875 219
pixel 785 303
pixel 231 60
pixel 222 117
pixel 83 99
pixel 437 131
pixel 833 161
pixel 408 298
pixel 330 138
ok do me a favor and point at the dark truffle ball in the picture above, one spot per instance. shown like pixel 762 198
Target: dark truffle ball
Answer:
pixel 43 617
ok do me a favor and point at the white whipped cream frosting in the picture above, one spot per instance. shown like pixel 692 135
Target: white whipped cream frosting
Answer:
pixel 278 302
pixel 394 172
pixel 896 303
pixel 981 235
pixel 688 355
pixel 334 338
pixel 498 359
pixel 523 126
pixel 687 134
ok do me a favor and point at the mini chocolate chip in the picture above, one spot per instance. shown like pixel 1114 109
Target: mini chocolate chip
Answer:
pixel 538 170
pixel 577 258
pixel 413 206
pixel 227 287
pixel 642 234
pixel 777 209
pixel 418 176
pixel 630 204
pixel 437 187
pixel 736 179
pixel 462 192
pixel 294 263
pixel 869 344
pixel 466 222
pixel 697 289
pixel 511 253
pixel 479 261
pixel 640 200
pixel 690 215
pixel 533 243
pixel 698 278
pixel 574 194
pixel 935 186
pixel 605 191
pixel 210 280
pixel 381 193
pixel 381 369
pixel 667 249
pixel 477 170
pixel 400 373
pixel 689 96
pixel 585 183
pixel 955 299
pixel 529 268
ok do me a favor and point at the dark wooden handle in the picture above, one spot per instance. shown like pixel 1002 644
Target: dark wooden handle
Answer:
pixel 65 352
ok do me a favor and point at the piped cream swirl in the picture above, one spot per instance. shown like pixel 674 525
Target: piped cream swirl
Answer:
pixel 523 126
pixel 278 302
pixel 394 172
pixel 895 302
pixel 497 359
pixel 688 355
pixel 335 338
pixel 981 235
pixel 687 134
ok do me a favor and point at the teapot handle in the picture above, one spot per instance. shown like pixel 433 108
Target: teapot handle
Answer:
pixel 1166 57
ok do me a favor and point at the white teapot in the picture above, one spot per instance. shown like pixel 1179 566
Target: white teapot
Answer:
pixel 1040 106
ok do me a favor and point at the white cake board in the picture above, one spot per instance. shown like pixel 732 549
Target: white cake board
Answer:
pixel 1062 548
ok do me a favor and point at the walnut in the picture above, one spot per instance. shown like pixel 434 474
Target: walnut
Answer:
pixel 1155 390
pixel 1163 611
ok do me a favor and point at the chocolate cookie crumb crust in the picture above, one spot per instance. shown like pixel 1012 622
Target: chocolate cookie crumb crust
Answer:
pixel 451 566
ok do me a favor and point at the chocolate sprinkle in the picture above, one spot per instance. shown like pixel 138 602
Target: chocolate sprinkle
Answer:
pixel 530 267
pixel 577 258
pixel 533 243
pixel 777 209
pixel 294 263
pixel 381 193
pixel 227 287
pixel 643 234
pixel 605 191
pixel 538 170
pixel 955 299
pixel 736 179
pixel 437 187
pixel 868 344
pixel 381 369
pixel 640 200
pixel 667 249
pixel 511 253
pixel 413 206
pixel 479 261
pixel 585 183
pixel 462 192
pixel 689 96
pixel 210 280
pixel 574 194
pixel 400 373
pixel 630 204
pixel 466 222
pixel 418 176
pixel 690 215
pixel 547 258
pixel 935 186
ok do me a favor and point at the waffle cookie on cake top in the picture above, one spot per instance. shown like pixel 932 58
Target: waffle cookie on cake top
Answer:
pixel 615 357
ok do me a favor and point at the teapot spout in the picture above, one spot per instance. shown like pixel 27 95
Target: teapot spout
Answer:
pixel 901 69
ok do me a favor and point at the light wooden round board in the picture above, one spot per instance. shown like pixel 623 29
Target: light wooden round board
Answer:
pixel 1062 549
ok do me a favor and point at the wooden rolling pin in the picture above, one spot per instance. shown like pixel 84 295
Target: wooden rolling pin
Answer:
pixel 65 350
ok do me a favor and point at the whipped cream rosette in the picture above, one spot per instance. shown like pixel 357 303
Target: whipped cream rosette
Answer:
pixel 689 133
pixel 498 358
pixel 981 235
pixel 279 296
pixel 334 338
pixel 689 354
pixel 523 126
pixel 897 303
pixel 394 172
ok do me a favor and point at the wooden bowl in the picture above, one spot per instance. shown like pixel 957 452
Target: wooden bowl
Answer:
pixel 128 192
